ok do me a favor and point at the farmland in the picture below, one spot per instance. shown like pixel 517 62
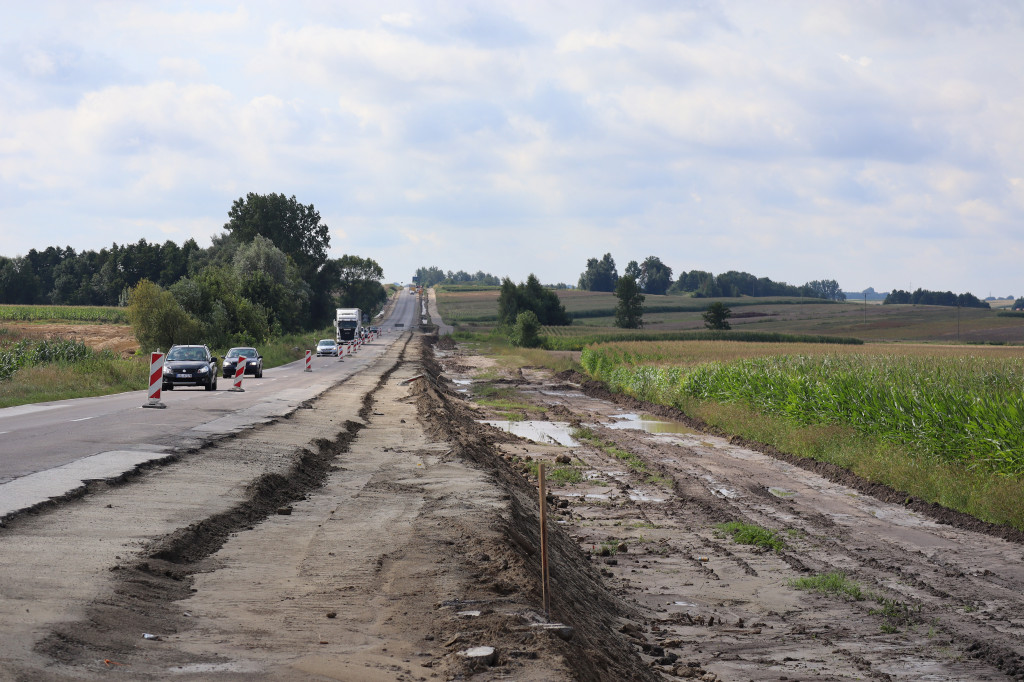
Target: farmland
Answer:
pixel 910 407
pixel 63 313
pixel 942 422
pixel 476 311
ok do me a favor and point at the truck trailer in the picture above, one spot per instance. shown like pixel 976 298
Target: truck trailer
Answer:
pixel 348 324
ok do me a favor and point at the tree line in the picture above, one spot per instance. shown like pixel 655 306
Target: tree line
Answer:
pixel 925 297
pixel 268 273
pixel 655 277
pixel 429 276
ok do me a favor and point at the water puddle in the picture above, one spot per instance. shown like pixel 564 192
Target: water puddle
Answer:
pixel 564 394
pixel 587 496
pixel 648 424
pixel 782 492
pixel 718 489
pixel 641 496
pixel 462 382
pixel 556 433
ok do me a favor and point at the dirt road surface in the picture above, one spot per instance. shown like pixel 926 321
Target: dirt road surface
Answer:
pixel 383 532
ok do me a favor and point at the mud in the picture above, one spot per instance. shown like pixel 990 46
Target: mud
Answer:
pixel 939 590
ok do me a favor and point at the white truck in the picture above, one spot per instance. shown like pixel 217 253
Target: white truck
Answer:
pixel 348 324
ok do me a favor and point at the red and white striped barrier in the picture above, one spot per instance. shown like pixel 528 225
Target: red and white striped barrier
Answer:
pixel 156 380
pixel 239 371
pixel 309 361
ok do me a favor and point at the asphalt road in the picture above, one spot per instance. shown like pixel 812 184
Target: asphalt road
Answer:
pixel 49 449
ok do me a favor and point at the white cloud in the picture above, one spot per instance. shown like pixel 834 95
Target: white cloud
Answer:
pixel 789 140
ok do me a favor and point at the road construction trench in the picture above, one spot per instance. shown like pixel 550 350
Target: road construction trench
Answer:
pixel 57 563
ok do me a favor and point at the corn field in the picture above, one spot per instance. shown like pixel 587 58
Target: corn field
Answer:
pixel 965 408
pixel 38 313
pixel 28 352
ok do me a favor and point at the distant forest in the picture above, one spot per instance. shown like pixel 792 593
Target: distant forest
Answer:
pixel 925 297
pixel 654 277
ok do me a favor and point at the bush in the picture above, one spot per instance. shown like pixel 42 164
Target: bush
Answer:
pixel 157 319
pixel 526 334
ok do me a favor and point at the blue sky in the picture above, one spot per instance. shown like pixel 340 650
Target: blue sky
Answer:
pixel 878 143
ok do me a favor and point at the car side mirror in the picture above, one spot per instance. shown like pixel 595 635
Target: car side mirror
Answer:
pixel 215 358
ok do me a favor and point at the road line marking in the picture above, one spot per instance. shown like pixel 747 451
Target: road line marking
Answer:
pixel 82 419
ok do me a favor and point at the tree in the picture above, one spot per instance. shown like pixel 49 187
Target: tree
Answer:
pixel 655 277
pixel 526 332
pixel 630 309
pixel 358 280
pixel 294 228
pixel 828 289
pixel 716 316
pixel 156 318
pixel 531 295
pixel 428 277
pixel 600 275
pixel 632 270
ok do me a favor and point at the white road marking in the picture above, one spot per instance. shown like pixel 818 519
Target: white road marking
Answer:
pixel 81 420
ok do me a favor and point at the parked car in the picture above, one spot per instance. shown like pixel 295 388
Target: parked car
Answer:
pixel 253 362
pixel 327 347
pixel 190 366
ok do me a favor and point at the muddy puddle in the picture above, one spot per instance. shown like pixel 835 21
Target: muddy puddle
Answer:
pixel 551 433
pixel 648 424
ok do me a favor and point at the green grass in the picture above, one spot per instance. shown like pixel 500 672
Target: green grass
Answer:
pixel 559 474
pixel 835 583
pixel 587 435
pixel 750 534
pixel 894 614
pixel 101 374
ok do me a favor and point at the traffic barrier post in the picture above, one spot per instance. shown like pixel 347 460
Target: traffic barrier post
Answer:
pixel 156 380
pixel 309 361
pixel 239 371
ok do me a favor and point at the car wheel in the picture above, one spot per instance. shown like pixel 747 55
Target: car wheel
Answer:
pixel 259 373
pixel 168 387
pixel 211 383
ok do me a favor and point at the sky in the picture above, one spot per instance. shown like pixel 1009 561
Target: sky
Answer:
pixel 875 142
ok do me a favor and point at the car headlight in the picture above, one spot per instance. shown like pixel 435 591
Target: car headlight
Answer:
pixel 168 370
pixel 227 363
pixel 203 370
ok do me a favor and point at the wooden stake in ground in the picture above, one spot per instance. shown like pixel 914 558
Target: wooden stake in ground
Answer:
pixel 545 586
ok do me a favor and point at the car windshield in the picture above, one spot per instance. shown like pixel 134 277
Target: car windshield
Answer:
pixel 186 354
pixel 326 342
pixel 244 352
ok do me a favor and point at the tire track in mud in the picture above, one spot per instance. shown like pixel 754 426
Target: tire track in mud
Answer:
pixel 944 616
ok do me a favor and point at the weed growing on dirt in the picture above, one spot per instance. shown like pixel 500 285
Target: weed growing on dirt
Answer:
pixel 895 614
pixel 834 583
pixel 560 474
pixel 505 404
pixel 659 480
pixel 587 435
pixel 751 534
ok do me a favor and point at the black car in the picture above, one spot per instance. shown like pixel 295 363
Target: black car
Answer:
pixel 190 366
pixel 253 362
